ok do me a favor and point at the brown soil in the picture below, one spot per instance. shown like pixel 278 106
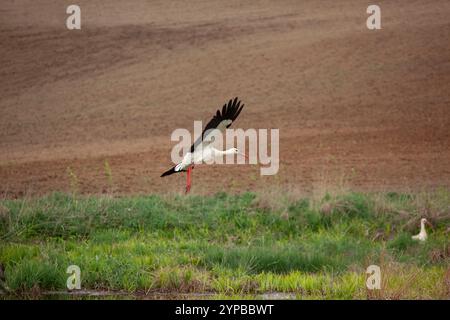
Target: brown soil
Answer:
pixel 370 108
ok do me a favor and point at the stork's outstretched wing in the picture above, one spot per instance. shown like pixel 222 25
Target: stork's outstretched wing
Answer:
pixel 221 120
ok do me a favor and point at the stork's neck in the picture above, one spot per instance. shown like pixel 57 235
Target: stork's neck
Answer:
pixel 223 152
pixel 422 227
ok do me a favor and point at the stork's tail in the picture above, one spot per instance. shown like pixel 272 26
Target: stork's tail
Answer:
pixel 169 172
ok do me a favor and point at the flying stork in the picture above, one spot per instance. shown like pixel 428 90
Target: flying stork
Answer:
pixel 202 149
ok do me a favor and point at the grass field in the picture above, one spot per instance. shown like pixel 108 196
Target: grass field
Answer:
pixel 248 245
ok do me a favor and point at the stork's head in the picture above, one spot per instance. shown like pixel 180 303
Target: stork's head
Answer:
pixel 425 221
pixel 236 151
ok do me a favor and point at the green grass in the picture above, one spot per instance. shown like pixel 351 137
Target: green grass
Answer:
pixel 228 245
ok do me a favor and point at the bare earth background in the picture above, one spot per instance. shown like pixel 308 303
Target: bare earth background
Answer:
pixel 371 108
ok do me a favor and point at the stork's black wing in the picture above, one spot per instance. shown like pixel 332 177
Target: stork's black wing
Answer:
pixel 221 120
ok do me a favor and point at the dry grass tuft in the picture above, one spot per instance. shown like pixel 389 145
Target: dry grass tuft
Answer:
pixel 331 183
pixel 400 281
pixel 407 211
pixel 277 199
pixel 181 279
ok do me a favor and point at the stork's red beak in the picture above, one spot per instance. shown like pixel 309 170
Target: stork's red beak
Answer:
pixel 244 155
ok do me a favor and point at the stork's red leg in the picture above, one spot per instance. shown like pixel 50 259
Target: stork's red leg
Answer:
pixel 188 182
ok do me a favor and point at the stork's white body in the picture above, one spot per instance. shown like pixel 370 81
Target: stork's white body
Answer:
pixel 422 236
pixel 204 154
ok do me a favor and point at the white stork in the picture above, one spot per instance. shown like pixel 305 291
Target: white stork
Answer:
pixel 422 236
pixel 202 149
